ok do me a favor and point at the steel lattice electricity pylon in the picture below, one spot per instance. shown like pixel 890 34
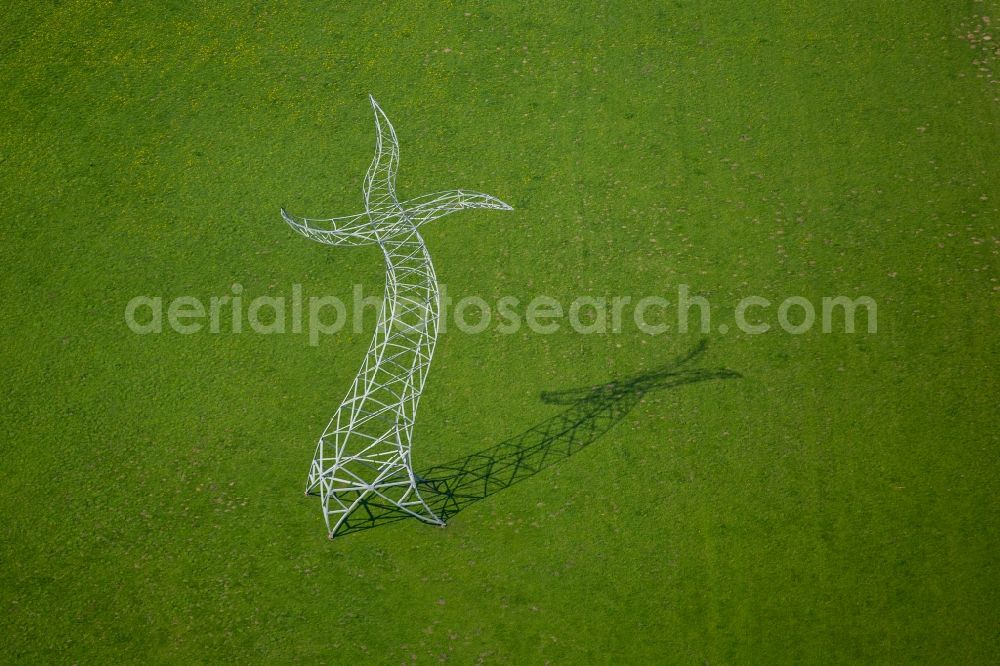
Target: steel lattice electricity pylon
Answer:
pixel 365 449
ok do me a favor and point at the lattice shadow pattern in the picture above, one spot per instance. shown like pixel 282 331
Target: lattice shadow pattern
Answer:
pixel 591 412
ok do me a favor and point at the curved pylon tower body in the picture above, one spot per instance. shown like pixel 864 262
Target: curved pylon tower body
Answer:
pixel 363 454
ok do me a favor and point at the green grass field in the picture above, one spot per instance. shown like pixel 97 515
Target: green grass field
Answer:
pixel 838 502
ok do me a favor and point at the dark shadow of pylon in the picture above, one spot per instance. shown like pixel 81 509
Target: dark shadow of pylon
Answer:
pixel 591 412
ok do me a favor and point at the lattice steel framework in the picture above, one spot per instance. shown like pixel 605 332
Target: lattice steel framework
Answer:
pixel 365 451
